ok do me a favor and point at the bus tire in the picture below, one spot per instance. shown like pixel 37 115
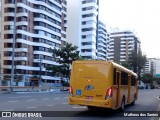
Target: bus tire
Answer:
pixel 91 108
pixel 122 104
pixel 133 102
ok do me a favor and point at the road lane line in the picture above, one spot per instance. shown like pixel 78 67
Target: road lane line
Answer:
pixel 8 110
pixel 45 98
pixel 30 100
pixel 64 103
pixel 20 97
pixel 56 98
pixel 31 107
pixel 13 101
pixel 50 105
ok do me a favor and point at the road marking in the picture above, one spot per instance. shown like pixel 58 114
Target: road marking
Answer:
pixel 79 107
pixel 8 110
pixel 56 98
pixel 31 100
pixel 45 98
pixel 13 101
pixel 31 107
pixel 50 105
pixel 64 103
pixel 20 97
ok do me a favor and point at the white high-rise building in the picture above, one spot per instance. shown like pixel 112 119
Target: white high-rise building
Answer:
pixel 83 26
pixel 32 27
pixel 152 66
pixel 103 42
pixel 148 68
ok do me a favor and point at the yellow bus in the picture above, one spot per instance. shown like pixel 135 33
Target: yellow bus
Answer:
pixel 102 84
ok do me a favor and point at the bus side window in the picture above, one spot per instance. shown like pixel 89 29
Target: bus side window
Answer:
pixel 114 77
pixel 133 81
pixel 124 78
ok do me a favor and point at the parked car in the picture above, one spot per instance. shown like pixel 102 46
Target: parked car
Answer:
pixel 141 85
pixel 65 89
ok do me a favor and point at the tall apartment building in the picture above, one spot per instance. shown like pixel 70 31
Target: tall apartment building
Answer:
pixel 83 26
pixel 37 26
pixel 148 67
pixel 152 66
pixel 103 42
pixel 122 43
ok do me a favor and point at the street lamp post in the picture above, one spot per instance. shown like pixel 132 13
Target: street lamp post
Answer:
pixel 40 74
pixel 13 48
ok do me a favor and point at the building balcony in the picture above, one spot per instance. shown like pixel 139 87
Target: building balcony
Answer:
pixel 88 46
pixel 89 18
pixel 22 14
pixel 92 4
pixel 88 54
pixel 22 23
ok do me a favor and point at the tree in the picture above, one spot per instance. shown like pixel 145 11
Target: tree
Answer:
pixel 147 78
pixel 65 56
pixel 157 80
pixel 126 65
pixel 137 61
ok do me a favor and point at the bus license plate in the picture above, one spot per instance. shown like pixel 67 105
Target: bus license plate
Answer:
pixel 89 97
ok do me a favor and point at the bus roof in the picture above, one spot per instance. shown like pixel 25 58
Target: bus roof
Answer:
pixel 123 68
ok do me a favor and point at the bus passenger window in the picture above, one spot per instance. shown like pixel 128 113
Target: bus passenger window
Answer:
pixel 133 81
pixel 124 78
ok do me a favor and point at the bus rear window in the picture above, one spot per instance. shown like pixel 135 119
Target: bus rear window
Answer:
pixel 90 70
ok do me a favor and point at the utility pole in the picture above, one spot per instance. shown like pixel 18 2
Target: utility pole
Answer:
pixel 40 73
pixel 13 48
pixel 0 41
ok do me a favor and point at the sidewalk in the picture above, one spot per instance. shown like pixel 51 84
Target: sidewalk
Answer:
pixel 28 89
pixel 33 91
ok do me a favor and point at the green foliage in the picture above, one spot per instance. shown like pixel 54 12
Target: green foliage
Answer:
pixel 126 65
pixel 147 78
pixel 17 78
pixel 157 80
pixel 65 56
pixel 137 61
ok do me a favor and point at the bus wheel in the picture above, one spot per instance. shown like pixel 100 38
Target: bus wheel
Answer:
pixel 91 108
pixel 133 102
pixel 122 104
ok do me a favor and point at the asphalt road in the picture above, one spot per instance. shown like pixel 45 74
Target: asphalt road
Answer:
pixel 147 101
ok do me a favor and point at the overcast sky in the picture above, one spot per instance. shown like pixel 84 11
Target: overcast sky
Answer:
pixel 142 16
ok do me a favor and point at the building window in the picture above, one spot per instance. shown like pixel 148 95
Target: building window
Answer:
pixel 8 27
pixel 88 1
pixel 9 1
